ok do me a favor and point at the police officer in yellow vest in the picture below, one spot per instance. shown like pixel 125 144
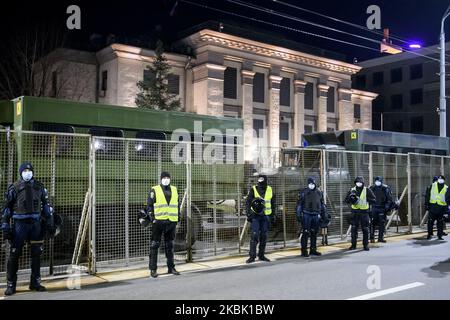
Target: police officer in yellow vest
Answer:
pixel 163 209
pixel 360 197
pixel 437 199
pixel 260 218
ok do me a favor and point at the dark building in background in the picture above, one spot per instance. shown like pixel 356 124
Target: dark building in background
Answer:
pixel 408 88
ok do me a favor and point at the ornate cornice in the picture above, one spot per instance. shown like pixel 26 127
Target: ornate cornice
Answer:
pixel 209 37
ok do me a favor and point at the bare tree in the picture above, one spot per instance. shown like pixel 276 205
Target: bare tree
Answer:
pixel 26 66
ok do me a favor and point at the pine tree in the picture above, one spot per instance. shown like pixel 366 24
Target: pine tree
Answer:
pixel 154 89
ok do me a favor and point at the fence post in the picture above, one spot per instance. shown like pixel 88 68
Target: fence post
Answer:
pixel 188 203
pixel 409 193
pixel 215 206
pixel 52 196
pixel 127 203
pixel 324 173
pixel 442 166
pixel 283 187
pixel 92 233
pixel 341 222
pixel 371 168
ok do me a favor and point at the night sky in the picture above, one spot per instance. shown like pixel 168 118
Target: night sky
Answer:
pixel 408 19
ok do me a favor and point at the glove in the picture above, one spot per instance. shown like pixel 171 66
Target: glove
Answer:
pixel 7 233
pixel 299 217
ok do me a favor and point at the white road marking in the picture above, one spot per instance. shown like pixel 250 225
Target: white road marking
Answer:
pixel 388 291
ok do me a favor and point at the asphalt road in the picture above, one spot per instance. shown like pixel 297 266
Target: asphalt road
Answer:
pixel 409 269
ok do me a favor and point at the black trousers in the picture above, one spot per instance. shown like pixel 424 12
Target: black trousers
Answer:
pixel 310 228
pixel 167 229
pixel 360 218
pixel 439 218
pixel 27 230
pixel 378 220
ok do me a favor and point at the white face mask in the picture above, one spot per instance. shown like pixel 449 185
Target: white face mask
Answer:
pixel 311 186
pixel 378 183
pixel 441 181
pixel 359 184
pixel 27 175
pixel 165 181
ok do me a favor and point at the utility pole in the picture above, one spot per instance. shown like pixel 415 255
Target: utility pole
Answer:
pixel 442 97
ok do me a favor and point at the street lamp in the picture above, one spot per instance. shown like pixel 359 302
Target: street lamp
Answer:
pixel 442 99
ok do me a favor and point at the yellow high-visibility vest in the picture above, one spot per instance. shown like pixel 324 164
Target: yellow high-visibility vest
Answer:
pixel 164 210
pixel 267 199
pixel 436 196
pixel 362 203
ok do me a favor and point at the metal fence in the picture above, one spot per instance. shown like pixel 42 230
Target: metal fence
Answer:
pixel 98 185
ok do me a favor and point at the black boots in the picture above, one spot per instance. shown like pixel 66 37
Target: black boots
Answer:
pixel 314 252
pixel 173 271
pixel 250 260
pixel 10 289
pixel 264 258
pixel 352 247
pixel 305 253
pixel 153 273
pixel 37 287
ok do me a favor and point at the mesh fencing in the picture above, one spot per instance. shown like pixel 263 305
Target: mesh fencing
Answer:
pixel 99 184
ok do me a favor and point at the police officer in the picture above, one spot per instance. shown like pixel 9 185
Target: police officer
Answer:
pixel 163 208
pixel 26 216
pixel 382 205
pixel 360 197
pixel 310 208
pixel 437 200
pixel 260 220
pixel 428 190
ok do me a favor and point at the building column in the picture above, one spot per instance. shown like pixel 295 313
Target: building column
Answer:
pixel 247 112
pixel 322 122
pixel 345 110
pixel 274 112
pixel 208 89
pixel 366 114
pixel 299 111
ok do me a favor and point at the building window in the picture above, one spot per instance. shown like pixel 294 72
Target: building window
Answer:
pixel 417 124
pixel 173 83
pixel 357 111
pixel 361 81
pixel 257 126
pixel 417 96
pixel 378 79
pixel 284 131
pixel 397 101
pixel 330 129
pixel 230 83
pixel 258 87
pixel 330 99
pixel 416 71
pixel 54 84
pixel 285 92
pixel 308 129
pixel 309 96
pixel 104 85
pixel 396 75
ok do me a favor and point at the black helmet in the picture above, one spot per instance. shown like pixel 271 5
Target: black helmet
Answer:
pixel 258 205
pixel 58 221
pixel 144 218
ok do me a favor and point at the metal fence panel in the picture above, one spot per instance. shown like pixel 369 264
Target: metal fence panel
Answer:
pixel 61 163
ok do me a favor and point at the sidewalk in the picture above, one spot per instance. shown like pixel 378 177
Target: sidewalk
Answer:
pixel 76 281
